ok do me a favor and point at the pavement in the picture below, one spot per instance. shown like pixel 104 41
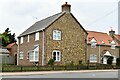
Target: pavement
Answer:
pixel 50 72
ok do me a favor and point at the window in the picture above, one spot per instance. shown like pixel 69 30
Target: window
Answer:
pixel 21 40
pixel 93 58
pixel 28 38
pixel 34 54
pixel 21 55
pixel 56 55
pixel 56 35
pixel 113 44
pixel 93 45
pixel 36 36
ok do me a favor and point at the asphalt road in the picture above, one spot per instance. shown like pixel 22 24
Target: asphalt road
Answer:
pixel 97 74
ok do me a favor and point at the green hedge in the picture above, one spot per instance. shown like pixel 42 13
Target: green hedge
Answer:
pixel 49 68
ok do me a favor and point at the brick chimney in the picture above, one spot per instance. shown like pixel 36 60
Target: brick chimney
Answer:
pixel 112 33
pixel 66 7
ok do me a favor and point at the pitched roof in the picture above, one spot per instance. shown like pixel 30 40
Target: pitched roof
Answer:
pixel 10 45
pixel 101 38
pixel 40 25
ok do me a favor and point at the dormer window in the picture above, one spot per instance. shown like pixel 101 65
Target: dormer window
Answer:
pixel 56 35
pixel 93 43
pixel 113 45
pixel 36 36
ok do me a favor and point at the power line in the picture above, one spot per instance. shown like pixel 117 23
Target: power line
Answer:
pixel 100 18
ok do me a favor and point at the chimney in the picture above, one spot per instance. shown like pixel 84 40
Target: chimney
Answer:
pixel 66 7
pixel 112 33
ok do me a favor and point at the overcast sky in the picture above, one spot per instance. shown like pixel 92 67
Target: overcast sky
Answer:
pixel 95 15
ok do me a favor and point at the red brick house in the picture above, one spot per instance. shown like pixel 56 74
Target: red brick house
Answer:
pixel 60 37
pixel 101 46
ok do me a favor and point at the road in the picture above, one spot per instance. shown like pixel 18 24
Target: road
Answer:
pixel 92 74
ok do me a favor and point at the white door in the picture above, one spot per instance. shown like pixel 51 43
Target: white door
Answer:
pixel 104 60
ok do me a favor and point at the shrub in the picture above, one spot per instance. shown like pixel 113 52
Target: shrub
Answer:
pixel 51 62
pixel 110 59
pixel 118 61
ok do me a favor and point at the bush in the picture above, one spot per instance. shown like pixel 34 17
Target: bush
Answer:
pixel 118 61
pixel 51 62
pixel 110 60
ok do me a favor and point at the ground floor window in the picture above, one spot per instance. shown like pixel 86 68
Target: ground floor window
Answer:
pixel 21 55
pixel 93 58
pixel 34 54
pixel 56 55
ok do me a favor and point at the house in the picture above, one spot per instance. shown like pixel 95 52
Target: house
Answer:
pixel 60 37
pixel 12 48
pixel 5 58
pixel 102 46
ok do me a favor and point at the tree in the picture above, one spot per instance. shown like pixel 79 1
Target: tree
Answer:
pixel 7 38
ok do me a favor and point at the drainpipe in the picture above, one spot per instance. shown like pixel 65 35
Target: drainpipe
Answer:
pixel 18 51
pixel 43 49
pixel 99 54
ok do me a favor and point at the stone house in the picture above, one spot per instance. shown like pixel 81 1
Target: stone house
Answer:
pixel 60 37
pixel 102 46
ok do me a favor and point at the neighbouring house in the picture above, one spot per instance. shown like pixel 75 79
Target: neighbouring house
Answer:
pixel 13 48
pixel 102 46
pixel 60 37
pixel 5 58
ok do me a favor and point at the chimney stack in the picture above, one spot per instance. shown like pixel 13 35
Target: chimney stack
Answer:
pixel 66 7
pixel 112 33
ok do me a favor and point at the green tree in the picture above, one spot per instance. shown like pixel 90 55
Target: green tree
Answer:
pixel 7 38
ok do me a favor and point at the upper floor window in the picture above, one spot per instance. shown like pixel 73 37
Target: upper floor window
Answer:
pixel 21 55
pixel 113 44
pixel 93 43
pixel 56 55
pixel 93 58
pixel 56 35
pixel 36 36
pixel 28 38
pixel 21 40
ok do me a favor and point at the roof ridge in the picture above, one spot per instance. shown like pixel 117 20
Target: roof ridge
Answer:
pixel 96 32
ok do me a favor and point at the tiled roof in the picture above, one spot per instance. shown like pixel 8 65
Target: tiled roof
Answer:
pixel 117 38
pixel 10 45
pixel 40 25
pixel 101 38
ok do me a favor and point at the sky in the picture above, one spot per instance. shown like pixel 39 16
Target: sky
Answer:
pixel 94 15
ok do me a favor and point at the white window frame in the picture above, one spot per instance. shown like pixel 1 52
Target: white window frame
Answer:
pixel 21 40
pixel 93 58
pixel 33 54
pixel 28 38
pixel 58 57
pixel 93 45
pixel 21 55
pixel 113 46
pixel 56 35
pixel 36 36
